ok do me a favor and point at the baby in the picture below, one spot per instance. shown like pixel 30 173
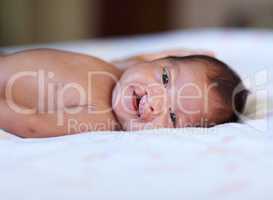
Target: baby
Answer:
pixel 46 92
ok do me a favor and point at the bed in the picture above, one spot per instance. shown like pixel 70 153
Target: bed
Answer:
pixel 229 161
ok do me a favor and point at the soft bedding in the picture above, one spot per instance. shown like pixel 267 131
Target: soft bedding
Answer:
pixel 229 161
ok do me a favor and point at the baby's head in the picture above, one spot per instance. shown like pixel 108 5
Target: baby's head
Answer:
pixel 190 91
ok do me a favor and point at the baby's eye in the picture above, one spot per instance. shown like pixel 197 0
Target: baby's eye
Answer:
pixel 173 118
pixel 165 76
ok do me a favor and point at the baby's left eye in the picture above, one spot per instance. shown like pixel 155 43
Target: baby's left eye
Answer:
pixel 165 76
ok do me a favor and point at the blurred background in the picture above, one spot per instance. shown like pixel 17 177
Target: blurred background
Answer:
pixel 42 21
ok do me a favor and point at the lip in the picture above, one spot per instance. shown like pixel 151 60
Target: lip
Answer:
pixel 139 103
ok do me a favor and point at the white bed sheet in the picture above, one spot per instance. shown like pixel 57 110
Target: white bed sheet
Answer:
pixel 230 161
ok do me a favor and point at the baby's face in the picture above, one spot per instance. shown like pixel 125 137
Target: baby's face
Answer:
pixel 161 94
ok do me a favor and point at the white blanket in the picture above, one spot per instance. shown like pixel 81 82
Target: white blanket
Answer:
pixel 230 161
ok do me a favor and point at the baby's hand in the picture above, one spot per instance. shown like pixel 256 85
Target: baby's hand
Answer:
pixel 174 52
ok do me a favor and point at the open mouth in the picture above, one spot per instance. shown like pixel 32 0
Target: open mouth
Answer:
pixel 136 101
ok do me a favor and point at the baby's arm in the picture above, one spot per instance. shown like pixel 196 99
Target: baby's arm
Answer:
pixel 46 124
pixel 51 121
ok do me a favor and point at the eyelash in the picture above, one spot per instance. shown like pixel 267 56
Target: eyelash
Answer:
pixel 173 118
pixel 165 77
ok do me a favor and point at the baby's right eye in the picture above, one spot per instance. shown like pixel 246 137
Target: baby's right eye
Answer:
pixel 165 76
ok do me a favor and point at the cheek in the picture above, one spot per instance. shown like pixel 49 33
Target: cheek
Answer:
pixel 162 121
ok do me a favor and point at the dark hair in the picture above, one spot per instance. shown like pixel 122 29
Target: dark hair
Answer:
pixel 230 87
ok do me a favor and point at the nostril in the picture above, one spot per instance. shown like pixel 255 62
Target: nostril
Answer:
pixel 152 109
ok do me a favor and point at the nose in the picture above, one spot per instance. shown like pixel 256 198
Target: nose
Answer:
pixel 151 106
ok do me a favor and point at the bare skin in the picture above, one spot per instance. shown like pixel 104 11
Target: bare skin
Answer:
pixel 54 116
pixel 67 68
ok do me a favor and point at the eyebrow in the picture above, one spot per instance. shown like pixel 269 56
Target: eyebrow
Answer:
pixel 173 82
